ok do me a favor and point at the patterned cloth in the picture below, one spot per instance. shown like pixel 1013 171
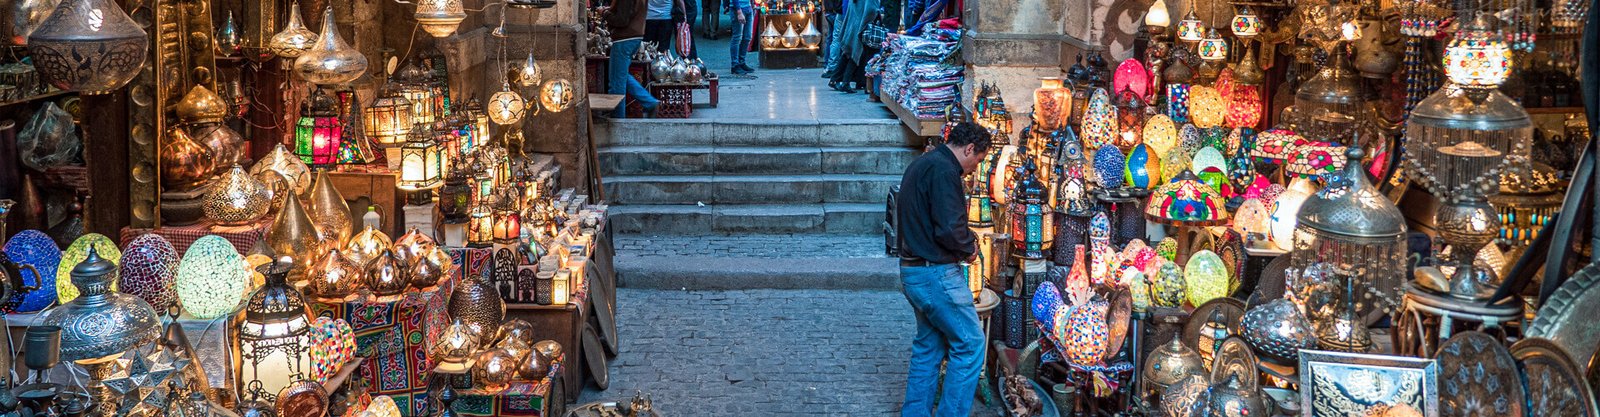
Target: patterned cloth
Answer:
pixel 394 337
pixel 521 399
pixel 242 237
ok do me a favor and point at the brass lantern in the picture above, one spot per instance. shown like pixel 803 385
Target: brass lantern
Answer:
pixel 421 164
pixel 388 119
pixel 476 121
pixel 480 225
pixel 415 86
pixel 294 39
pixel 88 45
pixel 507 107
pixel 272 334
pixel 507 221
pixel 454 351
pixel 440 17
pixel 317 134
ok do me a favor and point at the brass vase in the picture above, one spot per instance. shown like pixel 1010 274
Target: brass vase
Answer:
pixel 333 277
pixel 385 277
pixel 476 303
pixel 237 199
pixel 283 172
pixel 368 245
pixel 292 233
pixel 329 211
pixel 226 144
pixel 185 163
pixel 430 267
pixel 411 246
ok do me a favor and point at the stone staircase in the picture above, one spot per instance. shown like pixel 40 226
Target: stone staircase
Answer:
pixel 694 176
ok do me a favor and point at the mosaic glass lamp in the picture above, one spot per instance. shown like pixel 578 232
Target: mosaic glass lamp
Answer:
pixel 1213 47
pixel 1351 224
pixel 1207 159
pixel 1160 133
pixel 77 253
pixel 1186 202
pixel 1167 287
pixel 211 278
pixel 1309 158
pixel 1206 107
pixel 1273 145
pixel 1031 216
pixel 1132 76
pixel 317 133
pixel 1478 57
pixel 1143 169
pixel 1099 121
pixel 1251 220
pixel 1205 278
pixel 1191 28
pixel 1244 106
pixel 150 265
pixel 1108 166
pixel 39 260
pixel 1285 208
pixel 1084 332
pixel 1052 104
pixel 1246 24
pixel 331 344
pixel 102 322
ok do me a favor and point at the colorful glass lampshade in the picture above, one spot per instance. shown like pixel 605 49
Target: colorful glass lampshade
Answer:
pixel 1312 158
pixel 421 163
pixel 388 120
pixel 1213 47
pixel 1052 104
pixel 1205 278
pixel 211 278
pixel 1168 287
pixel 1032 217
pixel 1273 145
pixel 1251 219
pixel 440 17
pixel 1108 165
pixel 1478 56
pixel 1285 209
pixel 1191 29
pixel 1084 333
pixel 38 253
pixel 1244 108
pixel 294 39
pixel 330 61
pixel 1132 76
pixel 556 95
pixel 1178 102
pixel 1176 162
pixel 327 340
pixel 1130 121
pixel 1100 120
pixel 507 222
pixel 1186 202
pixel 506 107
pixel 317 134
pixel 91 46
pixel 149 267
pixel 1160 133
pixel 75 254
pixel 1143 169
pixel 1206 107
pixel 1246 24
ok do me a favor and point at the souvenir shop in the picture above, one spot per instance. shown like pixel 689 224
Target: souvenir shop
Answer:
pixel 314 208
pixel 1296 209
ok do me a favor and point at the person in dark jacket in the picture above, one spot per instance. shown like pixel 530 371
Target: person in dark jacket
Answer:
pixel 934 240
pixel 626 19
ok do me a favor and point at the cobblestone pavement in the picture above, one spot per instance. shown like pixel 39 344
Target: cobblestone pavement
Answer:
pixel 754 246
pixel 763 352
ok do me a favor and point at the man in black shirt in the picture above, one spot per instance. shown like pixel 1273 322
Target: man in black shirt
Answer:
pixel 932 214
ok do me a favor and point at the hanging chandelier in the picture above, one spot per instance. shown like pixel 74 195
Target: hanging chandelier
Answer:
pixel 294 39
pixel 440 17
pixel 331 61
pixel 88 45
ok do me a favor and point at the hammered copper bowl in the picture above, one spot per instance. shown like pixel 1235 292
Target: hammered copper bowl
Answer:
pixel 303 399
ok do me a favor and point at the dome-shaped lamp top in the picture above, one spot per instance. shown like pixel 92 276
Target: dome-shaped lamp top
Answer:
pixel 276 310
pixel 1186 201
pixel 201 106
pixel 87 330
pixel 1350 206
pixel 321 105
pixel 1455 107
pixel 1335 84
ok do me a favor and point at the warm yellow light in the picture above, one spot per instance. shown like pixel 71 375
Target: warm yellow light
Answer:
pixel 1157 16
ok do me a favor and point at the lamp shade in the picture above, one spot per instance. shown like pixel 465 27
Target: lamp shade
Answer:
pixel 1285 209
pixel 1052 104
pixel 1244 106
pixel 1160 133
pixel 33 248
pixel 1168 290
pixel 1191 29
pixel 1084 332
pixel 1108 166
pixel 440 17
pixel 294 39
pixel 1099 120
pixel 276 310
pixel 1206 107
pixel 148 270
pixel 1208 159
pixel 211 278
pixel 330 61
pixel 1273 145
pixel 1251 219
pixel 1131 76
pixel 1246 24
pixel 1205 278
pixel 1187 202
pixel 1312 158
pixel 91 46
pixel 1478 56
pixel 75 254
pixel 1157 15
pixel 506 107
pixel 388 120
pixel 1143 169
pixel 1213 47
pixel 333 277
pixel 102 322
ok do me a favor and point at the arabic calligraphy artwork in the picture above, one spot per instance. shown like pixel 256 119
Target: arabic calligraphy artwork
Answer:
pixel 1340 384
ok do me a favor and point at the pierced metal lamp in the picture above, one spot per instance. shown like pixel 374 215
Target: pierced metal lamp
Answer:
pixel 1353 227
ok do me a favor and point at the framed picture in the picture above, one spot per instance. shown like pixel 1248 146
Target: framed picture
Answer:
pixel 1340 384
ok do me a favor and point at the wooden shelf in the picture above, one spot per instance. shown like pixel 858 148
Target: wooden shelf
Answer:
pixel 919 126
pixel 45 96
pixel 1554 110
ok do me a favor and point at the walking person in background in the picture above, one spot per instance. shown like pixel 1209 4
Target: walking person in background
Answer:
pixel 626 19
pixel 834 11
pixel 658 27
pixel 743 27
pixel 855 53
pixel 691 14
pixel 934 240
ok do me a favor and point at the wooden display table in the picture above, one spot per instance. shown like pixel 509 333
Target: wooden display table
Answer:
pixel 921 127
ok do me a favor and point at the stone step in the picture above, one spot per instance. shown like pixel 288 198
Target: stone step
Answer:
pixel 748 189
pixel 682 160
pixel 715 132
pixel 734 273
pixel 690 219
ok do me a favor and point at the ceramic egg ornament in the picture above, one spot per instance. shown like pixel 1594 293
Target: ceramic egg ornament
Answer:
pixel 149 269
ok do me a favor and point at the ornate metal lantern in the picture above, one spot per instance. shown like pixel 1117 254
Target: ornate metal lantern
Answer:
pixel 330 61
pixel 388 119
pixel 1032 218
pixel 480 225
pixel 476 121
pixel 81 338
pixel 1353 228
pixel 317 134
pixel 275 324
pixel 416 87
pixel 1191 29
pixel 507 107
pixel 421 163
pixel 88 45
pixel 440 17
pixel 294 39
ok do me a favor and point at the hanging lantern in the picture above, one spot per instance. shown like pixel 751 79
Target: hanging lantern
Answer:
pixel 1052 104
pixel 388 120
pixel 330 61
pixel 440 17
pixel 506 107
pixel 556 95
pixel 416 87
pixel 294 39
pixel 1031 216
pixel 1130 121
pixel 1246 24
pixel 1350 223
pixel 316 135
pixel 421 165
pixel 1191 29
pixel 1213 47
pixel 480 225
pixel 88 45
pixel 528 75
pixel 476 121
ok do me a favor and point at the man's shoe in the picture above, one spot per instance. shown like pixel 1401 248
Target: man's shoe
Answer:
pixel 737 71
pixel 747 69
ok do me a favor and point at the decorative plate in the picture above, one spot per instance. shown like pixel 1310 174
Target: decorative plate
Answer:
pixel 1340 384
pixel 36 249
pixel 1117 319
pixel 1478 377
pixel 1555 384
pixel 302 399
pixel 1560 318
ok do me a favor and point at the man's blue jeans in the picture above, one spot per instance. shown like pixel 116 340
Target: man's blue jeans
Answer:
pixel 947 329
pixel 618 81
pixel 835 34
pixel 740 43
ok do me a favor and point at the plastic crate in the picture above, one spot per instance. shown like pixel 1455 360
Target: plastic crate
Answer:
pixel 677 101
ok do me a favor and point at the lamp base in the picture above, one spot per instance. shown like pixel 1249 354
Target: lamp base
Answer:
pixel 180 208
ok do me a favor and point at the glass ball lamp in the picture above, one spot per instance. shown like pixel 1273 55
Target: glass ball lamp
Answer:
pixel 211 278
pixel 440 17
pixel 330 61
pixel 556 95
pixel 91 46
pixel 506 107
pixel 1191 28
pixel 317 133
pixel 453 352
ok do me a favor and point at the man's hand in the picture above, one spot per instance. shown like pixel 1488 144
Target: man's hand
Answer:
pixel 738 14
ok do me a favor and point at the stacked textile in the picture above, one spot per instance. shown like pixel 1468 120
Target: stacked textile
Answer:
pixel 922 73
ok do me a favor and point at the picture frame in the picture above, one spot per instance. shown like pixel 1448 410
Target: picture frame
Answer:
pixel 1338 384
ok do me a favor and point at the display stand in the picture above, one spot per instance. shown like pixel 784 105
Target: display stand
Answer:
pixel 541 398
pixel 394 337
pixel 786 58
pixel 919 126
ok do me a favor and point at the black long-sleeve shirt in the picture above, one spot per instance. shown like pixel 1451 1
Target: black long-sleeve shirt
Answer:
pixel 932 210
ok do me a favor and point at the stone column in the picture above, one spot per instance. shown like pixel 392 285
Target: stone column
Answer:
pixel 1012 43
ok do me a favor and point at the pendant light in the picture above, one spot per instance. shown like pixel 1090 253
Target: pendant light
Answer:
pixel 88 45
pixel 1191 29
pixel 294 39
pixel 1213 47
pixel 440 17
pixel 1246 24
pixel 528 75
pixel 506 107
pixel 330 61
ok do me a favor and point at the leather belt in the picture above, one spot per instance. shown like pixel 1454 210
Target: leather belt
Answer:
pixel 914 262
